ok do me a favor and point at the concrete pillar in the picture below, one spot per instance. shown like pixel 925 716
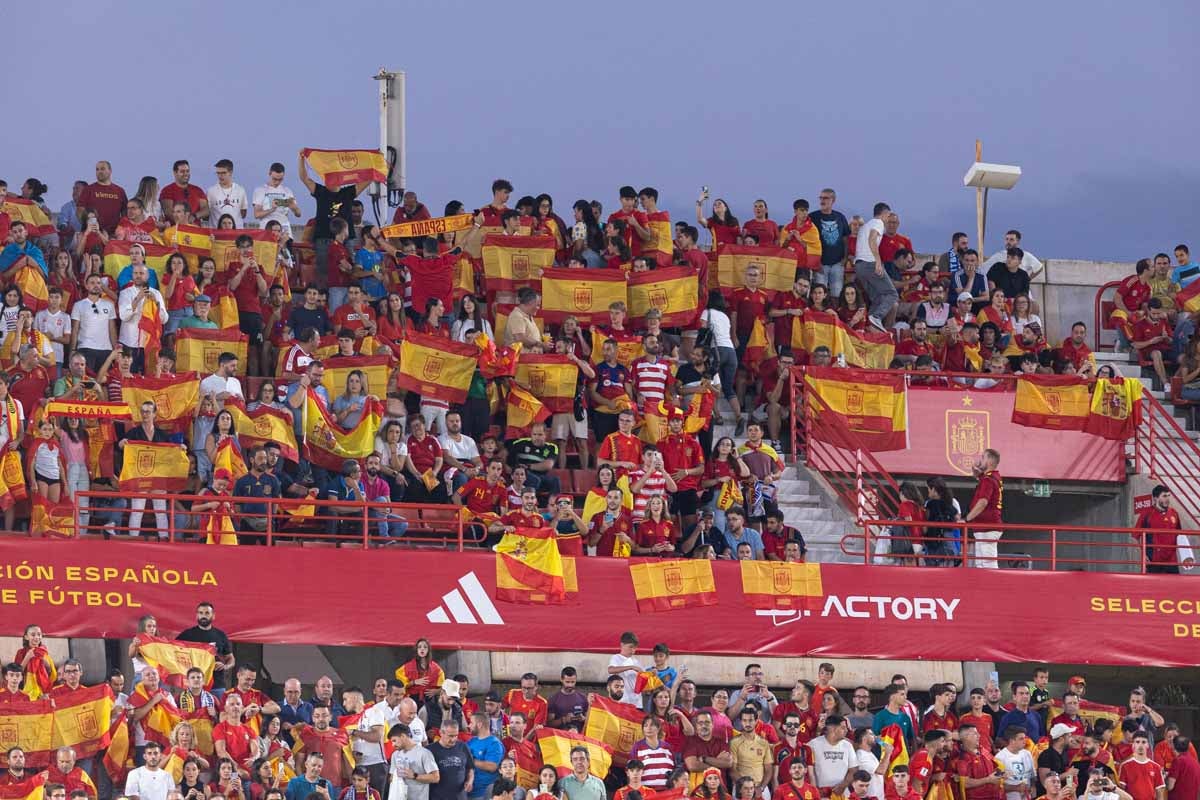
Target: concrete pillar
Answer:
pixel 475 664
pixel 976 674
pixel 90 653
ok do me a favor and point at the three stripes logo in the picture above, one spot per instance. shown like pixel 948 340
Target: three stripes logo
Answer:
pixel 468 604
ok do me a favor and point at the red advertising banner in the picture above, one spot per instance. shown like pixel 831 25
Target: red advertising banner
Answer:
pixel 94 589
pixel 948 430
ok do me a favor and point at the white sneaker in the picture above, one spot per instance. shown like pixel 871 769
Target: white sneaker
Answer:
pixel 877 323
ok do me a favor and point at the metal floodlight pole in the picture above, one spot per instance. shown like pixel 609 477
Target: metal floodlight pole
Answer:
pixel 392 130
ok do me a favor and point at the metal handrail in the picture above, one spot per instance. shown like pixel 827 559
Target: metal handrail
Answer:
pixel 1098 322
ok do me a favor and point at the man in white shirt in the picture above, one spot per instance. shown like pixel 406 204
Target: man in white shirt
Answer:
pixel 1018 765
pixel 223 384
pixel 868 269
pixel 226 197
pixel 834 761
pixel 460 452
pixel 130 303
pixel 273 201
pixel 1029 262
pixel 149 782
pixel 94 325
pixel 625 665
pixel 55 324
pixel 408 715
pixel 372 733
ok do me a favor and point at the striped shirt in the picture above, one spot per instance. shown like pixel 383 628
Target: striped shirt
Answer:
pixel 650 378
pixel 655 484
pixel 659 762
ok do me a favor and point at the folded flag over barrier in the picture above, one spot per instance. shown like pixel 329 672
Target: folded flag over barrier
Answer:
pixel 427 227
pixel 781 584
pixel 674 291
pixel 581 293
pixel 868 349
pixel 872 406
pixel 116 256
pixel 777 266
pixel 198 349
pixel 512 262
pixel 556 751
pixel 436 368
pixel 150 466
pixel 667 584
pixel 264 424
pixel 512 590
pixel 30 724
pixel 328 444
pixel 194 240
pixel 1058 402
pixel 172 658
pixel 618 725
pixel 1116 408
pixel 530 555
pixel 81 720
pixel 338 168
pixel 176 399
pixel 523 411
pixel 37 223
pixel 266 250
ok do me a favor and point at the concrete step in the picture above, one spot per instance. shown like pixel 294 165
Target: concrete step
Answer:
pixel 1108 357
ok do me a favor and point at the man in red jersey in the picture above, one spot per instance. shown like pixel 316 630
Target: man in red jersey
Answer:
pixel 1183 776
pixel 683 459
pixel 104 197
pixel 800 704
pixel 621 450
pixel 940 716
pixel 1140 775
pixel 774 401
pixel 1160 525
pixel 927 766
pixel 1152 338
pixel 182 190
pixel 787 306
pixel 1070 715
pixel 1074 349
pixel 527 516
pixel 898 787
pixel 892 239
pixel 985 508
pixel 232 739
pixel 974 765
pixel 797 786
pixel 1132 295
pixel 747 304
pixel 695 258
pixel 705 750
pixel 611 531
pixel 527 701
pixel 484 497
pixel 254 702
pixel 356 314
pixel 637 228
pixel 910 349
pixel 978 717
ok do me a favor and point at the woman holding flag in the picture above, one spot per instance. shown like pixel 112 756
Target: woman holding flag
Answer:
pixel 35 660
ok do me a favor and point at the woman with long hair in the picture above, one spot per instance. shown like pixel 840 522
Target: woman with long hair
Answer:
pixel 392 322
pixel 179 290
pixel 942 541
pixel 469 320
pixel 431 323
pixel 996 312
pixel 73 440
pixel 421 675
pixel 226 223
pixel 508 770
pixel 62 277
pixel 656 534
pixel 744 789
pixel 348 407
pixel 712 786
pixel 898 547
pixel 818 297
pixel 594 502
pixel 393 456
pixel 722 468
pixel 272 743
pixel 716 320
pixel 191 783
pixel 147 192
pixel 722 225
pixel 547 788
pixel 587 237
pixel 674 723
pixel 35 660
pixel 206 277
pixel 227 783
pixel 183 748
pixel 1189 370
pixel 270 397
pixel 551 224
pixel 850 308
pixel 719 707
pixel 1022 315
pixel 148 625
pixel 223 428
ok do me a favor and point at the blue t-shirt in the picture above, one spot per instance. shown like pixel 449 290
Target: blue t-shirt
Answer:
pixel 371 261
pixel 486 749
pixel 749 535
pixel 1185 274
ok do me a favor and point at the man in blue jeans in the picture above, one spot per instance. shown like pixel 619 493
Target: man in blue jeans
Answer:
pixel 869 271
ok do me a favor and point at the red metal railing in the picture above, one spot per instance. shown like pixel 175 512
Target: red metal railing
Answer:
pixel 285 520
pixel 1100 322
pixel 1165 452
pixel 1067 547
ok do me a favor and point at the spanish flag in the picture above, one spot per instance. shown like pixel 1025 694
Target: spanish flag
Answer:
pixel 36 222
pixel 172 659
pixel 583 294
pixel 872 406
pixel 225 252
pixel 669 584
pixel 338 168
pixel 758 348
pixel 32 788
pixel 194 240
pixel 1058 402
pixel 662 246
pixel 202 724
pixel 1116 408
pixel 151 466
pixel 529 763
pixel 511 262
pixel 556 751
pixel 176 399
pixel 56 520
pixel 1090 712
pixel 868 349
pixel 229 457
pixel 224 309
pixel 530 555
pixel 674 291
pixel 30 723
pixel 523 412
pixel 629 346
pixel 647 681
pixel 436 368
pixel 81 720
pixel 327 444
pixel 117 758
pixel 32 283
pixel 618 725
pixel 264 424
pixel 376 370
pixel 512 590
pixel 550 378
pixel 780 584
pixel 893 735
pixel 777 266
pixel 501 322
pixel 150 326
pixel 496 362
pixel 197 349
pixel 161 720
pixel 308 738
pixel 116 256
pixel 1188 298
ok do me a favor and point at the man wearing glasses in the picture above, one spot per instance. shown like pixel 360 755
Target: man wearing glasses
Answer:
pixel 226 197
pixel 94 325
pixel 860 717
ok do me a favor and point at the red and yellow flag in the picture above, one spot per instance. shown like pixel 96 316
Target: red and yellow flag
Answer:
pixel 224 310
pixel 308 738
pixel 32 283
pixel 776 265
pixel 266 250
pixel 117 758
pixel 32 788
pixel 81 720
pixel 116 256
pixel 376 370
pixel 556 751
pixel 672 290
pixel 197 349
pixel 511 262
pixel 550 378
pixel 161 719
pixel 436 368
pixel 662 246
pixel 151 326
pixel 523 411
pixel 428 227
pixel 501 321
pixel 512 590
pixel 264 424
pixel 172 659
pixel 872 406
pixel 583 294
pixel 868 349
pixel 1058 402
pixel 37 223
pixel 1116 408
pixel 150 466
pixel 338 168
pixel 176 399
pixel 758 347
pixel 618 725
pixel 669 584
pixel 328 444
pixel 529 763
pixel 894 735
pixel 202 724
pixel 90 409
pixel 781 584
pixel 629 347
pixel 530 555
pixel 30 723
pixel 56 520
pixel 194 240
pixel 229 457
pixel 1188 298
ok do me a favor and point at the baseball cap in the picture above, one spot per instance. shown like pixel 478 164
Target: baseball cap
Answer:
pixel 223 473
pixel 965 296
pixel 492 696
pixel 202 298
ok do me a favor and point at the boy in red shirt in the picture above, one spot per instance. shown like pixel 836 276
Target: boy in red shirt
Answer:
pixel 1152 338
pixel 1140 776
pixel 356 315
pixel 341 264
pixel 797 787
pixel 898 787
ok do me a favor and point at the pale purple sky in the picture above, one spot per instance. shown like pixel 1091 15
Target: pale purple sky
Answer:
pixel 1097 102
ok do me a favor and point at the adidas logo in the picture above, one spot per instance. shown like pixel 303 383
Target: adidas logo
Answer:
pixel 466 603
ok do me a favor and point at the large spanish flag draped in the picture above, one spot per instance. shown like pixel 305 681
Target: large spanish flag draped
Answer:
pixel 662 246
pixel 338 168
pixel 667 584
pixel 172 659
pixel 530 555
pixel 1059 402
pixel 30 724
pixel 161 720
pixel 32 283
pixel 510 262
pixel 224 310
pixel 523 410
pixel 266 249
pixel 873 406
pixel 194 240
pixel 117 758
pixel 151 466
pixel 512 590
pixel 528 759
pixel 176 399
pixel 375 369
pixel 197 349
pixel 328 444
pixel 264 424
pixel 581 293
pixel 618 725
pixel 49 519
pixel 556 751
pixel 307 738
pixel 228 457
pixel 869 349
pixel 551 378
pixel 674 291
pixel 116 256
pixel 81 720
pixel 436 368
pixel 781 584
pixel 202 725
pixel 776 264
pixel 893 735
pixel 1116 408
pixel 37 223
